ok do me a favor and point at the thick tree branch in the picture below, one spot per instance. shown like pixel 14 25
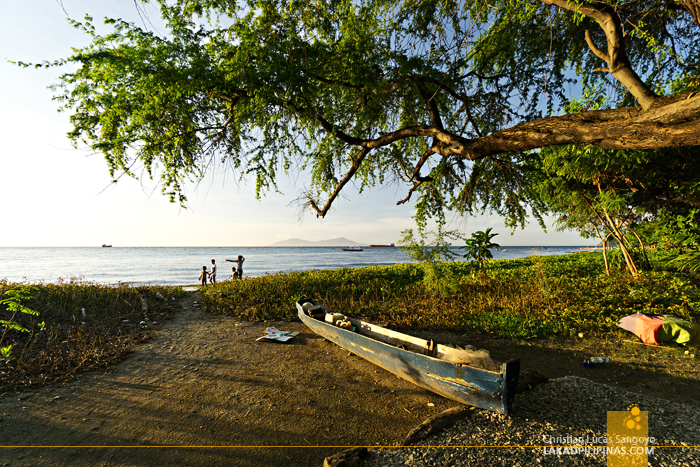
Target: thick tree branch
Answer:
pixel 416 177
pixel 693 7
pixel 671 125
pixel 673 122
pixel 430 103
pixel 616 57
pixel 356 162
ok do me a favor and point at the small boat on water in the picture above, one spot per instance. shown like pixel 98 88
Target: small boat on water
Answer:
pixel 464 375
pixel 104 245
pixel 352 248
pixel 390 245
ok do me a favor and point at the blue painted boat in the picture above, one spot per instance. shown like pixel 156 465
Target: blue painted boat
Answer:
pixel 462 375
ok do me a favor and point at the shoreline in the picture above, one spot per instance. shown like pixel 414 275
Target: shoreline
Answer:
pixel 182 266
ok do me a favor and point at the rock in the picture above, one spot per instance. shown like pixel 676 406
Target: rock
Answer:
pixel 348 458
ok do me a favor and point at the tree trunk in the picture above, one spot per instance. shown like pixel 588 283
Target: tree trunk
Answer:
pixel 693 7
pixel 643 247
pixel 620 237
pixel 605 249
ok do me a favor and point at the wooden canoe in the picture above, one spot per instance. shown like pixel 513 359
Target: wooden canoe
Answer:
pixel 429 365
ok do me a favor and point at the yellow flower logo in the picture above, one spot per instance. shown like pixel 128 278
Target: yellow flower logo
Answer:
pixel 632 420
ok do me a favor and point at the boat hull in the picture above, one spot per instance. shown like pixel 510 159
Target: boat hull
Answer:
pixel 491 390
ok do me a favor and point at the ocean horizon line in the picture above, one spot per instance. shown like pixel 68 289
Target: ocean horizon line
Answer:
pixel 278 246
pixel 183 265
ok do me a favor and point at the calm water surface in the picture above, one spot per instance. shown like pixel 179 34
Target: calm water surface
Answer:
pixel 182 265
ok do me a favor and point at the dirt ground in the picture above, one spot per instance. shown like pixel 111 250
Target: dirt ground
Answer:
pixel 204 392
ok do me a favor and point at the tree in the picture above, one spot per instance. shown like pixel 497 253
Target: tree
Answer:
pixel 589 200
pixel 448 98
pixel 606 193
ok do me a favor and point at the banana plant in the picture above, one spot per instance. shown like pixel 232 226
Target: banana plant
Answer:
pixel 478 247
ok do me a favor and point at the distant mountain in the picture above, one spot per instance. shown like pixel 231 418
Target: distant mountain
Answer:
pixel 340 241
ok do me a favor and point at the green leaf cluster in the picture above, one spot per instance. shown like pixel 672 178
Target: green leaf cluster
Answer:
pixel 682 235
pixel 265 87
pixel 479 246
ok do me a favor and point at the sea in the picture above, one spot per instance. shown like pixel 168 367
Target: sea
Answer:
pixel 182 265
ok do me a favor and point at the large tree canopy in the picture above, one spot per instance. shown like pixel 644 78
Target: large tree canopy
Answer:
pixel 447 97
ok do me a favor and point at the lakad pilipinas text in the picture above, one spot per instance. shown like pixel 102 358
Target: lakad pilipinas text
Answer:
pixel 597 450
pixel 626 443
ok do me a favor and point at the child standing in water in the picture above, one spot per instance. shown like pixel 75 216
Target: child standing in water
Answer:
pixel 203 276
pixel 212 274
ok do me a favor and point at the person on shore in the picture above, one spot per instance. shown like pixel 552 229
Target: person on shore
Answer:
pixel 212 274
pixel 203 276
pixel 240 265
pixel 234 274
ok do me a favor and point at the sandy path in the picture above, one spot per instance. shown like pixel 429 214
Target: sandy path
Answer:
pixel 203 392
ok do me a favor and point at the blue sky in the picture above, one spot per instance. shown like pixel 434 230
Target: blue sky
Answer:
pixel 55 195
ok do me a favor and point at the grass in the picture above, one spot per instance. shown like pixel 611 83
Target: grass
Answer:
pixel 534 297
pixel 71 341
pixel 543 299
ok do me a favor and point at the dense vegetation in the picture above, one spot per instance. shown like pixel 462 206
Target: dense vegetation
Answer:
pixel 538 296
pixel 82 326
pixel 79 326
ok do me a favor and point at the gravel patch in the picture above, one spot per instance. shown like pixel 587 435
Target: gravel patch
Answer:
pixel 563 407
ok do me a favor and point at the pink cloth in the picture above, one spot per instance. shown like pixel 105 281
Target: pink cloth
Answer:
pixel 648 328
